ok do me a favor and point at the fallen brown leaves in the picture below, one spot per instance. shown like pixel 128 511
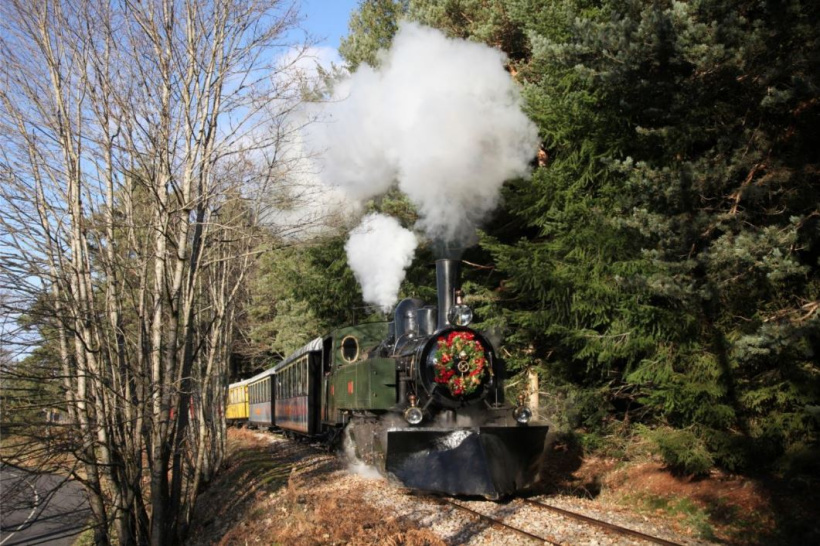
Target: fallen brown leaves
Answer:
pixel 275 491
pixel 732 509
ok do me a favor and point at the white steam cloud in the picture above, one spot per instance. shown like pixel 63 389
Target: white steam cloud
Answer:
pixel 440 118
pixel 379 251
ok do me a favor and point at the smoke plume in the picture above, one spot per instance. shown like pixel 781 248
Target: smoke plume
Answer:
pixel 440 118
pixel 378 251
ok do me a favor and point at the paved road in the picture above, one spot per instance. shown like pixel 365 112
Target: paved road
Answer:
pixel 40 509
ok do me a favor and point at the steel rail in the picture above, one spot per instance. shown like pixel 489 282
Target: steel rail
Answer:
pixel 501 523
pixel 604 524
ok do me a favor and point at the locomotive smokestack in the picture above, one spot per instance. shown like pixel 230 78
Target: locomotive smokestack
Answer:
pixel 446 283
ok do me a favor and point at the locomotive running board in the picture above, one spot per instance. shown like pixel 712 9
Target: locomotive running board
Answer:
pixel 491 462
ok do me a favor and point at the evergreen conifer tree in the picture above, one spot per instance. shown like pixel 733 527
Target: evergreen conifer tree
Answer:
pixel 661 264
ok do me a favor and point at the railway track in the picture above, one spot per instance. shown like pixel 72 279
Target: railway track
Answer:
pixel 541 537
pixel 548 539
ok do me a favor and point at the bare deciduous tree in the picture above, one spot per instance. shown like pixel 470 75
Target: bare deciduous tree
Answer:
pixel 125 129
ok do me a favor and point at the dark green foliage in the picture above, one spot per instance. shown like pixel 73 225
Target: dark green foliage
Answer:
pixel 302 292
pixel 31 392
pixel 371 29
pixel 682 450
pixel 485 21
pixel 663 260
pixel 661 265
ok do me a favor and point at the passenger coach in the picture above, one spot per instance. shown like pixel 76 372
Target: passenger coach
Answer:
pixel 236 411
pixel 298 389
pixel 260 399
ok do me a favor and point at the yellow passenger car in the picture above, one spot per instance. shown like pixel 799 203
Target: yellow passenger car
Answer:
pixel 236 411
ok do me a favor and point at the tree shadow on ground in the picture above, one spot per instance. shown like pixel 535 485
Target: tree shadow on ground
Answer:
pixel 250 471
pixel 563 457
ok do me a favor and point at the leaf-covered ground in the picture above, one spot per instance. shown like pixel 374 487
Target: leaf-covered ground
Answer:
pixel 276 491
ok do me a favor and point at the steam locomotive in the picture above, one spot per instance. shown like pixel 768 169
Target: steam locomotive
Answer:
pixel 421 397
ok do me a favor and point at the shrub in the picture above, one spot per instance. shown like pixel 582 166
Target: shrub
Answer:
pixel 682 450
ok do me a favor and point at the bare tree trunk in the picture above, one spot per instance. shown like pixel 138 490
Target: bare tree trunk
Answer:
pixel 533 389
pixel 113 144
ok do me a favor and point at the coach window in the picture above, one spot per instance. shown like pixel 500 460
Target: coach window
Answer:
pixel 290 382
pixel 297 373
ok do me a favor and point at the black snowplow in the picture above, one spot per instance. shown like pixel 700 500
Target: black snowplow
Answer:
pixel 490 461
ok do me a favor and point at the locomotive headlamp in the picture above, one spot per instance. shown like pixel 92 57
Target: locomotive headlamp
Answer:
pixel 522 414
pixel 413 415
pixel 460 314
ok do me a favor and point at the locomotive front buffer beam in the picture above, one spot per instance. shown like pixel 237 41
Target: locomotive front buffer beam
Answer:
pixel 490 461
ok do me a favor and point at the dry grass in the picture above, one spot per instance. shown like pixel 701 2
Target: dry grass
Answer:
pixel 45 453
pixel 730 509
pixel 277 492
pixel 722 507
pixel 274 491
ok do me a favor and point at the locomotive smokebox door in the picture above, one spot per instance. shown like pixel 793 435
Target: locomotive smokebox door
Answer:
pixel 491 462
